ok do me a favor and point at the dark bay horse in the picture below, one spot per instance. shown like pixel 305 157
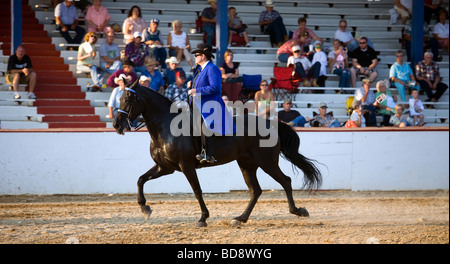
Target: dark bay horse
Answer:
pixel 177 153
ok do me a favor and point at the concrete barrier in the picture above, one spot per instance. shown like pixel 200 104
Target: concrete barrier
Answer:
pixel 89 162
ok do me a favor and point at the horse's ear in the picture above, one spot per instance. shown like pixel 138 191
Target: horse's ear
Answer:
pixel 135 84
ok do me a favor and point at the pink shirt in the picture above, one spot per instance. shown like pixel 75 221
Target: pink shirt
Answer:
pixel 97 17
pixel 309 40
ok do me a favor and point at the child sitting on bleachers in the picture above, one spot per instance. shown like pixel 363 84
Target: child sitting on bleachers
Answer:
pixel 299 63
pixel 416 108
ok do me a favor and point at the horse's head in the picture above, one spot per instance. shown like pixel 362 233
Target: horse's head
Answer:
pixel 131 106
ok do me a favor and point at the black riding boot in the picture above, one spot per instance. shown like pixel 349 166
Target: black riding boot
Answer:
pixel 207 155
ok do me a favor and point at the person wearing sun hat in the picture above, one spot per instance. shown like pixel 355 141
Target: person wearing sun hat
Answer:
pixel 128 68
pixel 207 88
pixel 169 72
pixel 271 23
pixel 157 81
pixel 114 100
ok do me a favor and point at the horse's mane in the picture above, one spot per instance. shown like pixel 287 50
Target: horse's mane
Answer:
pixel 159 97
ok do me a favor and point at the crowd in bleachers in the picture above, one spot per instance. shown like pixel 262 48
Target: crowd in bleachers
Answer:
pixel 147 54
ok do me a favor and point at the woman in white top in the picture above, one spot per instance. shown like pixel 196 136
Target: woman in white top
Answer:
pixel 85 60
pixel 133 23
pixel 178 42
pixel 440 30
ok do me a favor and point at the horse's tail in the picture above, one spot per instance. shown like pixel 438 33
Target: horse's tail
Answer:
pixel 290 143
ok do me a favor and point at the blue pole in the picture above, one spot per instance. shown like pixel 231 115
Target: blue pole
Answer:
pixel 221 30
pixel 16 24
pixel 417 33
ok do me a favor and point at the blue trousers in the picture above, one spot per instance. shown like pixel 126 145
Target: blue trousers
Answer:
pixel 78 37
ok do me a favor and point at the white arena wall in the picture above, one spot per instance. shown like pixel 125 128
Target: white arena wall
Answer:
pixel 92 162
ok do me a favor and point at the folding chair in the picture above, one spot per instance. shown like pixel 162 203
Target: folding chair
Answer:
pixel 250 85
pixel 284 85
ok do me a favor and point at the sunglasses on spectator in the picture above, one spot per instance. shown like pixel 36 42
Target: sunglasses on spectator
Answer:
pixel 264 84
pixel 362 42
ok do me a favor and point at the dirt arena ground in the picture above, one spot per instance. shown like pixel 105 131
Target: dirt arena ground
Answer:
pixel 336 217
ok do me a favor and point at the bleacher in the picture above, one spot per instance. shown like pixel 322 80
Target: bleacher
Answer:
pixel 369 18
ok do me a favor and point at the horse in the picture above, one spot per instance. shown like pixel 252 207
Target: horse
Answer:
pixel 178 153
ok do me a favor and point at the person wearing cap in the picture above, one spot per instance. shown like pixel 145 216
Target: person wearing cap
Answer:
pixel 110 54
pixel 145 81
pixel 206 89
pixel 177 90
pixel 319 65
pixel 97 17
pixel 136 52
pixel 299 63
pixel 114 99
pixel 157 80
pixel 169 73
pixel 66 16
pixel 152 37
pixel 85 61
pixel 291 117
pixel 324 119
pixel 271 23
pixel 133 23
pixel 367 98
pixel 178 42
pixel 209 21
pixel 128 70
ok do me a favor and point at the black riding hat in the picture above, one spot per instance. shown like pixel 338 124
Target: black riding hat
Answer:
pixel 204 49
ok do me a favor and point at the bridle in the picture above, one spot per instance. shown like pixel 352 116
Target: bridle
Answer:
pixel 135 98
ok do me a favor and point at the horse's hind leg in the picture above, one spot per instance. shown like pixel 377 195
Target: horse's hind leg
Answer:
pixel 249 172
pixel 275 172
pixel 153 173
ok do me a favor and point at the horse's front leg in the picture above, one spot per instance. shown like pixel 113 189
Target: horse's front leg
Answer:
pixel 191 176
pixel 153 173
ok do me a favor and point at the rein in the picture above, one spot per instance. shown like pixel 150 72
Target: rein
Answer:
pixel 139 126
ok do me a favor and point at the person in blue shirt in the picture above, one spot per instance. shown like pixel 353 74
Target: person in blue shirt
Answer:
pixel 402 76
pixel 66 16
pixel 157 80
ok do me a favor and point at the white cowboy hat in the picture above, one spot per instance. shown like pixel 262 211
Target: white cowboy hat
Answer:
pixel 121 77
pixel 172 60
pixel 269 3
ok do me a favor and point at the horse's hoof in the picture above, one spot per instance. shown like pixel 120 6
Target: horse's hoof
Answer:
pixel 302 212
pixel 201 224
pixel 147 212
pixel 235 223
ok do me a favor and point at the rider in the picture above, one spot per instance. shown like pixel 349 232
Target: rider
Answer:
pixel 207 84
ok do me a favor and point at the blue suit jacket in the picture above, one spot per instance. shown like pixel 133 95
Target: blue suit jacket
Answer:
pixel 212 108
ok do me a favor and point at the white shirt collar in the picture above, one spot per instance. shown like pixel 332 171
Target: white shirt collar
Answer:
pixel 204 65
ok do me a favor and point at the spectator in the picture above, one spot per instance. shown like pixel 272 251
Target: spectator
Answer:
pixel 440 30
pixel 428 41
pixel 235 26
pixel 145 81
pixel 136 52
pixel 209 21
pixel 85 61
pixel 338 62
pixel 20 71
pixel 324 119
pixel 157 81
pixel 358 114
pixel 66 16
pixel 319 65
pixel 271 23
pixel 346 36
pixel 128 70
pixel 114 99
pixel 264 104
pixel 302 28
pixel 366 97
pixel 231 81
pixel 179 44
pixel 285 51
pixel 402 76
pixel 291 117
pixel 404 8
pixel 384 102
pixel 364 61
pixel 429 77
pixel 169 73
pixel 299 63
pixel 152 38
pixel 400 119
pixel 110 54
pixel 178 89
pixel 97 17
pixel 430 8
pixel 133 23
pixel 416 108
